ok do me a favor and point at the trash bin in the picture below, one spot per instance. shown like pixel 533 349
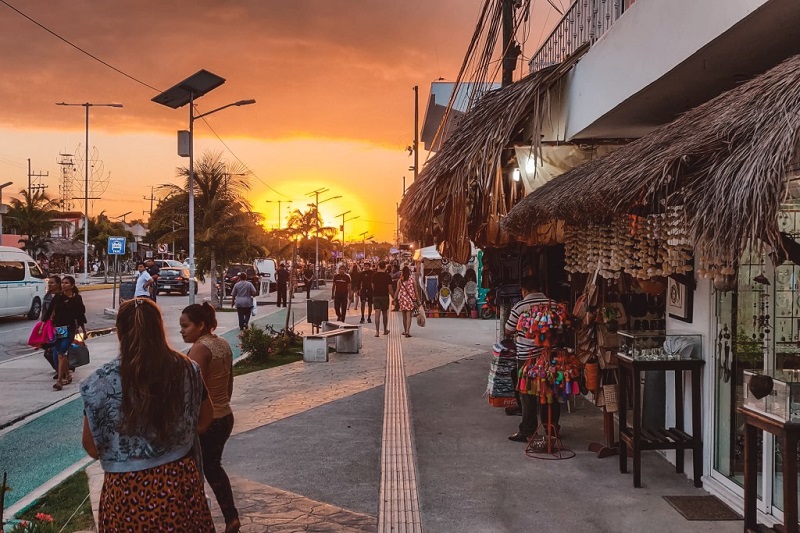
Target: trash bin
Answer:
pixel 127 290
pixel 316 311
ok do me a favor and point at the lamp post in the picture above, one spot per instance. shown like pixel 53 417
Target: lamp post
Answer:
pixel 185 92
pixel 86 198
pixel 316 194
pixel 343 221
pixel 364 241
pixel 280 213
pixel 3 186
pixel 122 216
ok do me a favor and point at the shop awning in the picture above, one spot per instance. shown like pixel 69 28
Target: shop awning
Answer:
pixel 728 162
pixel 456 183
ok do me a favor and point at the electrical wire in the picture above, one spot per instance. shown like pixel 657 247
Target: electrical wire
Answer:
pixel 119 71
pixel 75 46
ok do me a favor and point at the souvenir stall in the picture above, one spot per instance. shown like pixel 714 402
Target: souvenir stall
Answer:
pixel 704 209
pixel 449 289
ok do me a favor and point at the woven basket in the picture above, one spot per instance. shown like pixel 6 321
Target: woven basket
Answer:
pixel 592 373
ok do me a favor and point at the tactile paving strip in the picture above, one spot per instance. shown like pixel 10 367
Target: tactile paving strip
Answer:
pixel 399 498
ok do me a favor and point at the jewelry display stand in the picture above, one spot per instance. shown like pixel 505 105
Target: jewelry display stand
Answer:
pixel 550 448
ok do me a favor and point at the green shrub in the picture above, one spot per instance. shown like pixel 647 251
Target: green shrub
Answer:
pixel 263 344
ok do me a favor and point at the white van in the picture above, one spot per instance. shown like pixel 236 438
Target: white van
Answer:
pixel 22 284
pixel 266 270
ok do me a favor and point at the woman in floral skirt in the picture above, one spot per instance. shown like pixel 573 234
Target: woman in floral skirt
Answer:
pixel 407 296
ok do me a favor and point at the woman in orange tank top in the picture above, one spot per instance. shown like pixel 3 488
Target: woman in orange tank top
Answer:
pixel 215 358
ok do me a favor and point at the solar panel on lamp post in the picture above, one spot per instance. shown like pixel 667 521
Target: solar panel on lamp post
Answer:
pixel 185 92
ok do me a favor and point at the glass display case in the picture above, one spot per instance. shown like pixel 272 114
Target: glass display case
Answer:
pixel 775 393
pixel 659 346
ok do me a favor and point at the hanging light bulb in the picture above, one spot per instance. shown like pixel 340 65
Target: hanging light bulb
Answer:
pixel 516 174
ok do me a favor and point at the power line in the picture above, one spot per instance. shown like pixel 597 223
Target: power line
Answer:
pixel 133 78
pixel 75 46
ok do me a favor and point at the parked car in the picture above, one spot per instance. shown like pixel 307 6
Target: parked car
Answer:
pixel 22 284
pixel 168 263
pixel 175 279
pixel 232 276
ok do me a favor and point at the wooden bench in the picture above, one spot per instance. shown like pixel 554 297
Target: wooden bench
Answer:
pixel 315 345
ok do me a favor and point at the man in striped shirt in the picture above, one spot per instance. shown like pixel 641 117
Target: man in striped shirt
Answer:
pixel 531 297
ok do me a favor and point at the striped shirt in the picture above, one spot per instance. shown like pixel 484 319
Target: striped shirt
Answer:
pixel 525 346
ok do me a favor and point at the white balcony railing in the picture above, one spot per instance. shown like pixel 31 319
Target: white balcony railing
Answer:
pixel 584 22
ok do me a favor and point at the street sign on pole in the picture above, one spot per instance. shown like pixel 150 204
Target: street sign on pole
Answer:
pixel 116 245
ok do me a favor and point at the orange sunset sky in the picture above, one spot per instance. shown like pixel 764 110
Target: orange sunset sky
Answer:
pixel 332 78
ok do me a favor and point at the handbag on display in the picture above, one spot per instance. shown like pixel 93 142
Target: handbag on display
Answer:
pixel 78 355
pixel 43 333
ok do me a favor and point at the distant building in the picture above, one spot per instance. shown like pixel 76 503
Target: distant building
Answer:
pixel 436 116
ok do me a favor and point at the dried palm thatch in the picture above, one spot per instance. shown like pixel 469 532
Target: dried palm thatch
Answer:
pixel 726 161
pixel 450 201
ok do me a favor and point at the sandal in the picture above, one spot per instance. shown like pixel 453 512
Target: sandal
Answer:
pixel 57 385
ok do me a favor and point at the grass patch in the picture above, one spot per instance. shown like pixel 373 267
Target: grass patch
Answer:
pixel 61 502
pixel 247 366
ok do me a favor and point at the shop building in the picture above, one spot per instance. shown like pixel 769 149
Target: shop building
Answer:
pixel 704 209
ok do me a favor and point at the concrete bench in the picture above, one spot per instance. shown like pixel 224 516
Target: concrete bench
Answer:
pixel 315 345
pixel 330 325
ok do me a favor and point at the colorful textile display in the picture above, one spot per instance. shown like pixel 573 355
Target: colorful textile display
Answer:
pixel 501 371
pixel 553 376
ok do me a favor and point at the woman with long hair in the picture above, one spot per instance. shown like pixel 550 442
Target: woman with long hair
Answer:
pixel 53 288
pixel 69 315
pixel 214 356
pixel 143 411
pixel 406 294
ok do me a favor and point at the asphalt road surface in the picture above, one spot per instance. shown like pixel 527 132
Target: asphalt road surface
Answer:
pixel 14 331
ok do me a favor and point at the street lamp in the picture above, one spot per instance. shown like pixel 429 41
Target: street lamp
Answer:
pixel 364 241
pixel 280 213
pixel 86 198
pixel 185 92
pixel 316 194
pixel 3 186
pixel 122 216
pixel 343 221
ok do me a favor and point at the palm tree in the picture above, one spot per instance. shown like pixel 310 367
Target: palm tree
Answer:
pixel 226 229
pixel 303 224
pixel 32 218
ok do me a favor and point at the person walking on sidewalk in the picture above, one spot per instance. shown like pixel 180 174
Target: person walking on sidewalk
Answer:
pixel 53 288
pixel 407 295
pixel 531 297
pixel 214 355
pixel 381 288
pixel 308 279
pixel 366 291
pixel 282 278
pixel 142 413
pixel 242 299
pixel 339 291
pixel 355 285
pixel 69 315
pixel 395 280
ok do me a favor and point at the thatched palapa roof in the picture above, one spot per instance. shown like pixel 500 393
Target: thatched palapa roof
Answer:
pixel 450 200
pixel 726 161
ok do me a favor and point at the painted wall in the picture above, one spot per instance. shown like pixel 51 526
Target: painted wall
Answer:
pixel 647 42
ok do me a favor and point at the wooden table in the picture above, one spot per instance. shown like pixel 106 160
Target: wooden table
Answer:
pixel 788 433
pixel 646 438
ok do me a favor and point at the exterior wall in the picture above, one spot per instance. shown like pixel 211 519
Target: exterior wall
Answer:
pixel 651 39
pixel 702 324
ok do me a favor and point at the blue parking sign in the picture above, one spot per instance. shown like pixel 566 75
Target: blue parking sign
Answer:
pixel 116 245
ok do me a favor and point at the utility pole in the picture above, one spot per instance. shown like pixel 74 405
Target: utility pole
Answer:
pixel 416 133
pixel 35 186
pixel 316 194
pixel 511 49
pixel 152 199
pixel 342 228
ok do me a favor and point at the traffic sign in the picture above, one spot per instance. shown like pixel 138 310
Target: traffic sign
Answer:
pixel 116 245
pixel 163 248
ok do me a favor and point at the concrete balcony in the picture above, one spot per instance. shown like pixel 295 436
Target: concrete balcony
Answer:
pixel 659 58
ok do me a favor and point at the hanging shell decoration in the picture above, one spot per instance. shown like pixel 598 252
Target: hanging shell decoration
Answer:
pixel 644 247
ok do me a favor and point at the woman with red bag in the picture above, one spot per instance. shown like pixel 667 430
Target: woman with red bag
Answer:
pixel 68 314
